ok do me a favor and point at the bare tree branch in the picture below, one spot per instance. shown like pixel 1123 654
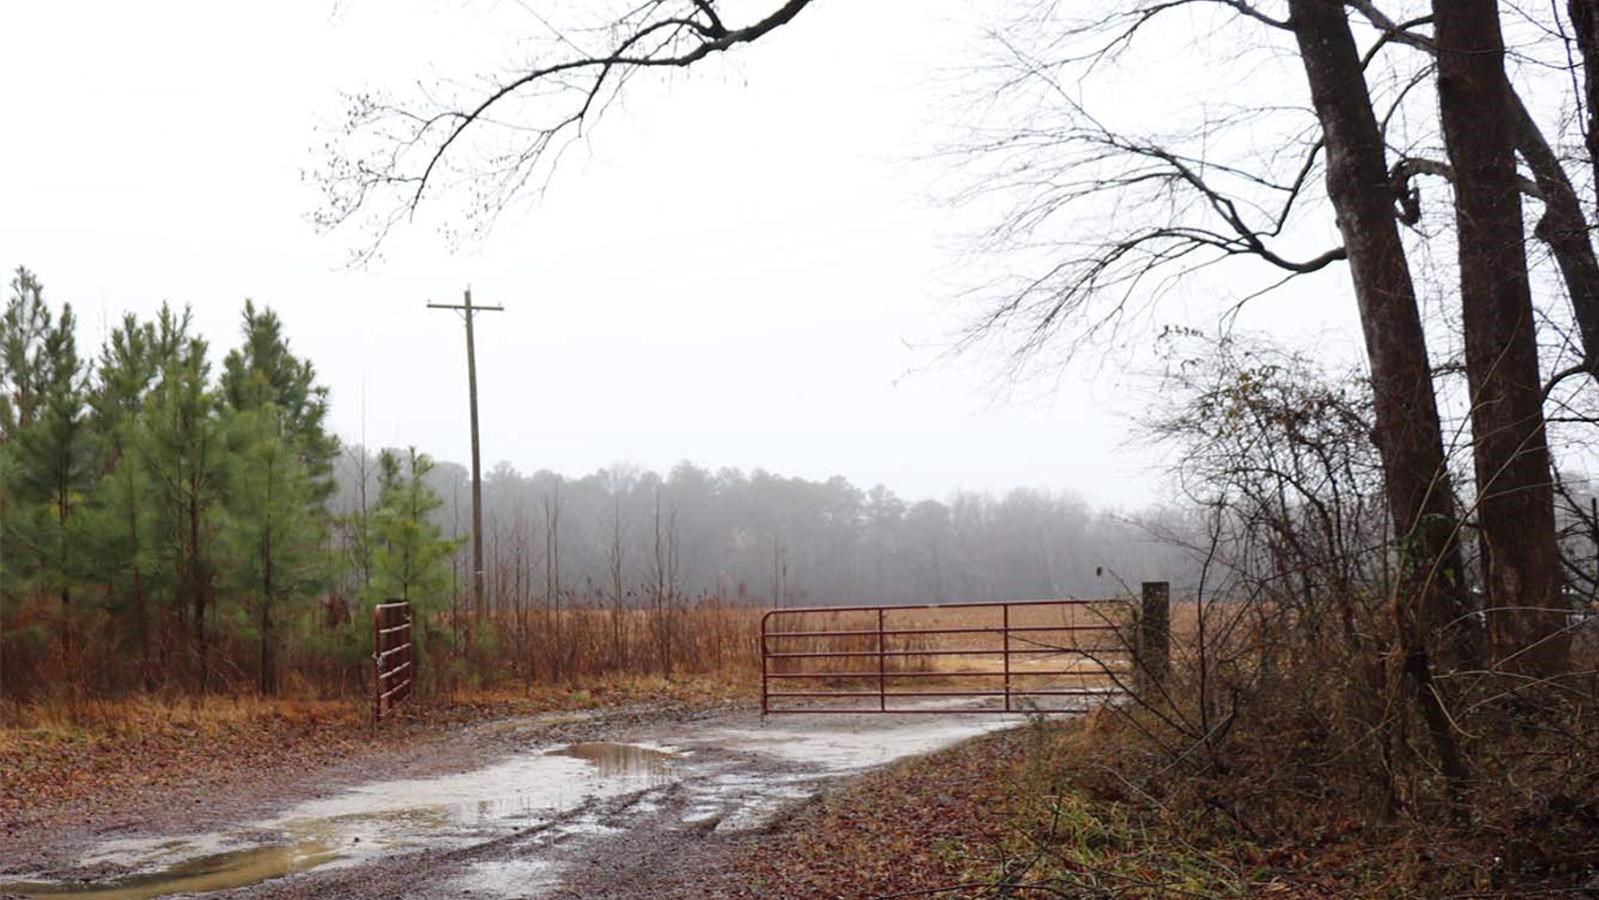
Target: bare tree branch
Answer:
pixel 390 155
pixel 1163 206
pixel 1563 226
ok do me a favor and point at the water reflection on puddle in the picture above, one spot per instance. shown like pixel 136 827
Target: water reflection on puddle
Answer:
pixel 854 746
pixel 375 820
pixel 613 760
pixel 217 872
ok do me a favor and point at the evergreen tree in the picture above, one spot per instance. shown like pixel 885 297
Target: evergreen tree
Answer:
pixel 130 360
pixel 10 581
pixel 23 329
pixel 281 468
pixel 23 365
pixel 411 556
pixel 50 463
pixel 120 540
pixel 181 452
pixel 274 534
pixel 264 371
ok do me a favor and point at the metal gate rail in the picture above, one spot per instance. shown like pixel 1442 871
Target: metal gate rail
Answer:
pixel 1021 651
pixel 392 657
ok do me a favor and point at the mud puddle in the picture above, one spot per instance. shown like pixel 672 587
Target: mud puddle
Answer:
pixel 558 808
pixel 843 748
pixel 216 872
pixel 613 760
pixel 529 789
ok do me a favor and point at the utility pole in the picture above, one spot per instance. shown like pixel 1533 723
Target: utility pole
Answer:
pixel 467 310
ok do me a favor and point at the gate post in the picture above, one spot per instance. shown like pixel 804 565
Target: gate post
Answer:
pixel 377 664
pixel 766 686
pixel 1154 632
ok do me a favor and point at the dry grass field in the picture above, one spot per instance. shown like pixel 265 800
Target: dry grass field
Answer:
pixel 540 659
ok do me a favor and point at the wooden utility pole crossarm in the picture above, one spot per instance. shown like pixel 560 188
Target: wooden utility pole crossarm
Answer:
pixel 467 309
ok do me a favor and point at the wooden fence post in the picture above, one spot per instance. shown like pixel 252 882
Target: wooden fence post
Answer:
pixel 1154 631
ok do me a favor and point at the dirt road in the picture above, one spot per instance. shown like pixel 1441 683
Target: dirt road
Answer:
pixel 587 804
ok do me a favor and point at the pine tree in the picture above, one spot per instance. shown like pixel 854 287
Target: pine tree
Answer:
pixel 120 539
pixel 411 556
pixel 181 452
pixel 22 327
pixel 264 371
pixel 274 534
pixel 10 578
pixel 23 365
pixel 50 466
pixel 129 362
pixel 280 476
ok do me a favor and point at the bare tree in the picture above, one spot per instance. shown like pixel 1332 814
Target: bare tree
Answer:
pixel 1406 417
pixel 618 482
pixel 551 504
pixel 1585 23
pixel 1285 451
pixel 1563 225
pixel 1515 499
pixel 663 574
pixel 779 572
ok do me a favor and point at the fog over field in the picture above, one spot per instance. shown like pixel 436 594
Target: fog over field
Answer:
pixel 764 538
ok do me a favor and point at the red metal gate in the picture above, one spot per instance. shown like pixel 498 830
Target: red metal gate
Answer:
pixel 393 660
pixel 1023 656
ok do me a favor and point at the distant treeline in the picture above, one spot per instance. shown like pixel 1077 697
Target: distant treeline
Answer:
pixel 168 525
pixel 782 541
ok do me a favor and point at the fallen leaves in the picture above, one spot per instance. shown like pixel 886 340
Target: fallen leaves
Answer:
pixel 916 825
pixel 73 763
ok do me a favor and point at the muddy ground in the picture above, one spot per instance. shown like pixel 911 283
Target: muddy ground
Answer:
pixel 632 802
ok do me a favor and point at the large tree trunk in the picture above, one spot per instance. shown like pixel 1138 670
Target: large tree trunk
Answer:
pixel 1416 479
pixel 1431 608
pixel 1515 494
pixel 1564 228
pixel 1585 25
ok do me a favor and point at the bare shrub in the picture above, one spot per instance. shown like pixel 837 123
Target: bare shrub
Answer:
pixel 1285 731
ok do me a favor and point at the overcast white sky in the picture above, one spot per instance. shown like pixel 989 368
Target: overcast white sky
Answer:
pixel 740 270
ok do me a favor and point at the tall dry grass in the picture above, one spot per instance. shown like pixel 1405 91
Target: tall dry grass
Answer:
pixel 1281 755
pixel 587 642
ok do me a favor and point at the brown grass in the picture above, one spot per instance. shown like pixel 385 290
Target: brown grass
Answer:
pixel 542 644
pixel 1300 769
pixel 1293 793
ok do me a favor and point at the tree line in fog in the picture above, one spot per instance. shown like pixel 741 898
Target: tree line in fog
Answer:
pixel 613 535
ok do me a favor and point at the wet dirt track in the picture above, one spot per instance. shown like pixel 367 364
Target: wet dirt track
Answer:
pixel 633 807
